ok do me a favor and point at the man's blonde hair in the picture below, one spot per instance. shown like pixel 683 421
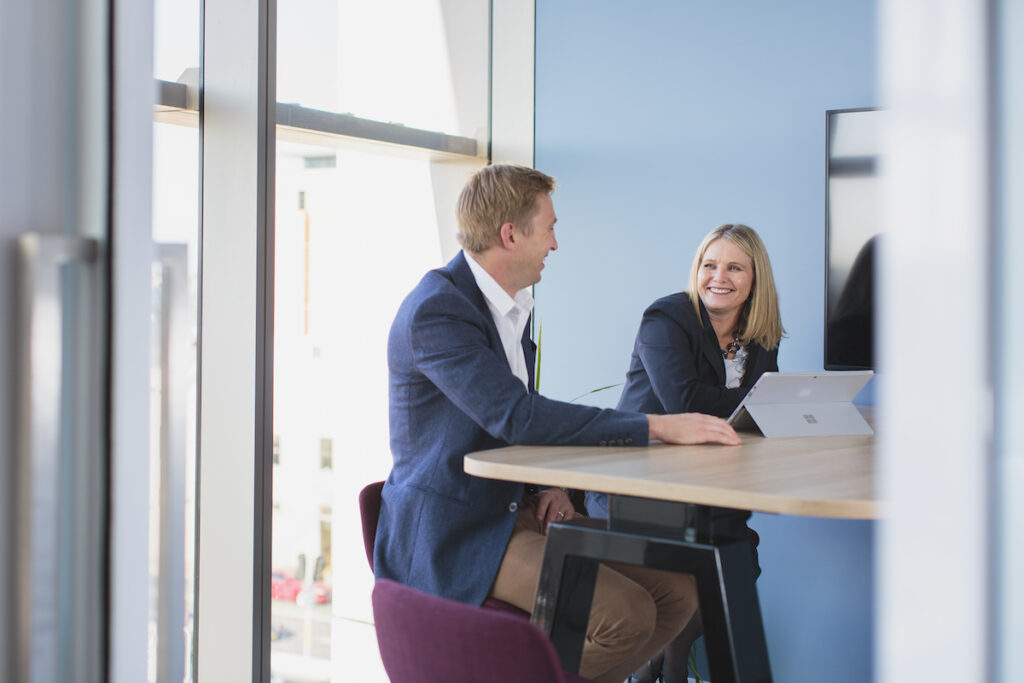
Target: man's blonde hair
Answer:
pixel 495 195
pixel 760 320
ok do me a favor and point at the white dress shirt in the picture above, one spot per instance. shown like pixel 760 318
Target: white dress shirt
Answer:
pixel 509 314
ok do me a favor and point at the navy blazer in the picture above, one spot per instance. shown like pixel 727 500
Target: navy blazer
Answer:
pixel 677 365
pixel 451 393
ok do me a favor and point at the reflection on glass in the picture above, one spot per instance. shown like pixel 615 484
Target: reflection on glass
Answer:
pixel 852 235
pixel 175 221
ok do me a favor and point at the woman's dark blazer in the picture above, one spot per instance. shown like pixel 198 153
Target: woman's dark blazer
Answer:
pixel 677 365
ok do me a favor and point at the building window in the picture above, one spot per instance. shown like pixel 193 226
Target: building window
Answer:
pixel 277 450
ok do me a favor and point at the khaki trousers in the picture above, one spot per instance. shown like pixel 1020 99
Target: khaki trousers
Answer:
pixel 634 614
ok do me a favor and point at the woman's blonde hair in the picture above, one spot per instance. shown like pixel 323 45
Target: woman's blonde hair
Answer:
pixel 495 195
pixel 760 320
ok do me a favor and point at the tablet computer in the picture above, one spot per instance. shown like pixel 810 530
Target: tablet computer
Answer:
pixel 784 404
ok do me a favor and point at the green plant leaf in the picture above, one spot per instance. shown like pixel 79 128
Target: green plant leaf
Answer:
pixel 594 391
pixel 536 365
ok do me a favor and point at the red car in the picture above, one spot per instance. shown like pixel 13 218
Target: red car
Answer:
pixel 284 587
pixel 288 588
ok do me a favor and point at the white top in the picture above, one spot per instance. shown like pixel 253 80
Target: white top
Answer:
pixel 734 369
pixel 509 314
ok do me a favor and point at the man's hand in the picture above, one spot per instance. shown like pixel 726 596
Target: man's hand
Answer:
pixel 553 505
pixel 690 428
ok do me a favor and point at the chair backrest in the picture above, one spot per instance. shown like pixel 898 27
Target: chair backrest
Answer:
pixel 427 639
pixel 369 511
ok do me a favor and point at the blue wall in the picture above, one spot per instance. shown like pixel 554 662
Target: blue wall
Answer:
pixel 661 120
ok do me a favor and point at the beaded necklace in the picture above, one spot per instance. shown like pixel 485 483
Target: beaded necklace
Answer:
pixel 733 346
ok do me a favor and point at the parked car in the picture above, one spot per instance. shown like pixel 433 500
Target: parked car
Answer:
pixel 284 587
pixel 291 589
pixel 321 594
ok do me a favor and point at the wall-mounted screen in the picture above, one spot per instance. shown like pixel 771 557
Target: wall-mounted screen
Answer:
pixel 851 236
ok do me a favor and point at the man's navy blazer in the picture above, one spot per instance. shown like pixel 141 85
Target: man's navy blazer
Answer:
pixel 677 365
pixel 452 393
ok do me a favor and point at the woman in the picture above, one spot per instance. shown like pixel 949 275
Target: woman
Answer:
pixel 701 351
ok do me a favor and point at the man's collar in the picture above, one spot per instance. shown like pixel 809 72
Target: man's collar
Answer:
pixel 493 292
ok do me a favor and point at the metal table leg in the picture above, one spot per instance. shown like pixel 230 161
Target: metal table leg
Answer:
pixel 723 568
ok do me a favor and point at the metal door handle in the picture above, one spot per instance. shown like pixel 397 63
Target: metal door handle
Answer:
pixel 44 570
pixel 174 345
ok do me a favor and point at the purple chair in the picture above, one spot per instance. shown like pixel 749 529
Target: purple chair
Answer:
pixel 369 511
pixel 427 639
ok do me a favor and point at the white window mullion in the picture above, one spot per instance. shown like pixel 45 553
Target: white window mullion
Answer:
pixel 131 256
pixel 235 347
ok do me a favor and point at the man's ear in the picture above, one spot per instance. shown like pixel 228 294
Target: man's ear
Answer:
pixel 508 235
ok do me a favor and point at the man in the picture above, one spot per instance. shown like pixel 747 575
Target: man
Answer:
pixel 461 366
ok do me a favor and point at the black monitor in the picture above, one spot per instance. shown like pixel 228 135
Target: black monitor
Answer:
pixel 851 237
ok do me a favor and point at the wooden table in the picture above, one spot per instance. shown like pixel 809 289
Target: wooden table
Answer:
pixel 660 515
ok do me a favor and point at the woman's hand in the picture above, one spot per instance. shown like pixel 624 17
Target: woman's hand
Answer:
pixel 553 505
